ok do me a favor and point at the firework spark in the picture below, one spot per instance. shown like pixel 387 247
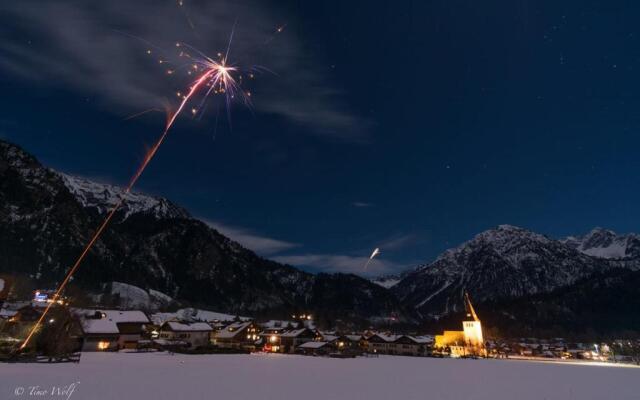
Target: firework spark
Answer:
pixel 215 77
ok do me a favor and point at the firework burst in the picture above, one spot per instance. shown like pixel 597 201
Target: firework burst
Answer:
pixel 213 76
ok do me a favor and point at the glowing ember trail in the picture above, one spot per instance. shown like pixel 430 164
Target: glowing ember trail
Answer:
pixel 217 77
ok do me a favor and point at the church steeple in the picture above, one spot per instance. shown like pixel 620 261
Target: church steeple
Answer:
pixel 469 307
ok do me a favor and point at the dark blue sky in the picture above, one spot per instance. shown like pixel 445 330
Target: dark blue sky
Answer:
pixel 406 125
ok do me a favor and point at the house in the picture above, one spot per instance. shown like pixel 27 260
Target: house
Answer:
pixel 241 335
pixel 6 314
pixel 270 341
pixel 278 341
pixel 192 334
pixel 413 345
pixel 398 344
pixel 327 336
pixel 316 348
pixel 19 320
pixel 99 334
pixel 382 343
pixel 354 341
pixel 289 340
pixel 277 326
pixel 112 329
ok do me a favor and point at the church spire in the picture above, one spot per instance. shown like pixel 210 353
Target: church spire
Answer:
pixel 469 307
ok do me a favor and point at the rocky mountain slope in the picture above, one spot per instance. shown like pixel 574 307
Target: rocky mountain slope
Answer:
pixel 46 218
pixel 604 304
pixel 506 262
pixel 604 243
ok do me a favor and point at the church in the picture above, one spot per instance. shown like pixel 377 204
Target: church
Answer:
pixel 465 343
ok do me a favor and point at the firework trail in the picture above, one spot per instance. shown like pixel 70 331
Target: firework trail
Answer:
pixel 375 252
pixel 217 77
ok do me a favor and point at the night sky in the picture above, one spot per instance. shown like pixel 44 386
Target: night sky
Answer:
pixel 409 126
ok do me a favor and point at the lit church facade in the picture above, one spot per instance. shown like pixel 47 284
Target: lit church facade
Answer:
pixel 468 342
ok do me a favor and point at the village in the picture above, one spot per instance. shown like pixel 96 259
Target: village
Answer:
pixel 194 331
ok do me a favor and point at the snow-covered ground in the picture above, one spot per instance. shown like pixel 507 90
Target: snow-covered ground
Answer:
pixel 160 376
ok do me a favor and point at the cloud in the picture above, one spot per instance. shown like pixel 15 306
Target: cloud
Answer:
pixel 260 244
pixel 398 242
pixel 341 263
pixel 361 204
pixel 276 250
pixel 99 48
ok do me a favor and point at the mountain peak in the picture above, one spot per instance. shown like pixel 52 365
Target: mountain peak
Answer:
pixel 502 262
pixel 102 197
pixel 605 243
pixel 14 155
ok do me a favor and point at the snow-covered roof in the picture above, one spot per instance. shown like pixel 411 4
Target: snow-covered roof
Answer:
pixel 294 333
pixel 99 326
pixel 4 313
pixel 388 338
pixel 329 338
pixel 117 316
pixel 232 330
pixel 421 339
pixel 354 338
pixel 189 327
pixel 127 316
pixel 15 305
pixel 312 345
pixel 274 323
pixel 108 323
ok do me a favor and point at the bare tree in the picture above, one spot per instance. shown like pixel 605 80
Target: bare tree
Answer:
pixel 57 339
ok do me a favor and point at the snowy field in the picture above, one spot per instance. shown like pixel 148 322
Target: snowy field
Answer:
pixel 160 376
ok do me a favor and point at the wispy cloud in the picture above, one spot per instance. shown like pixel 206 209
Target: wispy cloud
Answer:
pixel 361 204
pixel 87 46
pixel 341 263
pixel 262 245
pixel 400 241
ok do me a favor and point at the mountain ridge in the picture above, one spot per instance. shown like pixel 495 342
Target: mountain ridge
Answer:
pixel 46 218
pixel 503 262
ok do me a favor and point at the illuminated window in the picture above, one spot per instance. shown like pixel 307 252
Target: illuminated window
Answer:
pixel 103 345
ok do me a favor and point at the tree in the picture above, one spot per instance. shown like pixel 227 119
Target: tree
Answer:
pixel 56 338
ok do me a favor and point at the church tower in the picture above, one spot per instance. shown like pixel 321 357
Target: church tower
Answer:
pixel 472 328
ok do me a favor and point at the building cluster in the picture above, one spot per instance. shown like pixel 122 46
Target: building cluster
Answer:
pixel 553 348
pixel 191 330
pixel 112 330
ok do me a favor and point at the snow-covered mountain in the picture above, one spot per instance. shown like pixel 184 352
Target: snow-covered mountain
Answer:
pixel 389 280
pixel 102 197
pixel 605 243
pixel 386 281
pixel 46 218
pixel 505 262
